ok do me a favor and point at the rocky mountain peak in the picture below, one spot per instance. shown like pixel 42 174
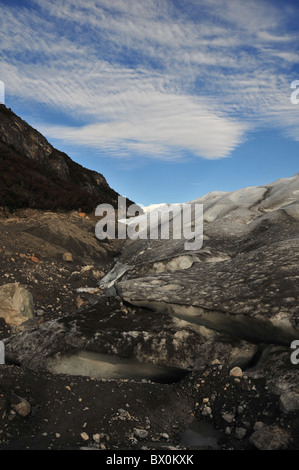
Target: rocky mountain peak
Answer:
pixel 34 174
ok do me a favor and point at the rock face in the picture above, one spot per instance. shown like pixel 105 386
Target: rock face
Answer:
pixel 135 335
pixel 244 279
pixel 16 304
pixel 35 174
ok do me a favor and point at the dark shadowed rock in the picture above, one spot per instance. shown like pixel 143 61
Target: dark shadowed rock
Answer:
pixel 274 365
pixel 35 174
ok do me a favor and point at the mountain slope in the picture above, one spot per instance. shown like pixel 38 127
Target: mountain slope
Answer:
pixel 34 174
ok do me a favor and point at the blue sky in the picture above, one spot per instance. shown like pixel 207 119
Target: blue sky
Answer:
pixel 169 99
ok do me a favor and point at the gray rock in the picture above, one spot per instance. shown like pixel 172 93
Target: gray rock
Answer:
pixel 140 433
pixel 21 406
pixel 289 401
pixel 236 372
pixel 207 411
pixel 228 417
pixel 270 438
pixel 258 425
pixel 240 433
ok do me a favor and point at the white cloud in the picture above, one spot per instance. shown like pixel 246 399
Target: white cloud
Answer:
pixel 149 78
pixel 158 125
pixel 268 37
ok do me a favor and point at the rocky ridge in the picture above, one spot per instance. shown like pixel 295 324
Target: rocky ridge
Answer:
pixel 33 174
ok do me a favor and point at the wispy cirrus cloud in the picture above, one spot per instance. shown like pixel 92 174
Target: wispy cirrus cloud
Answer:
pixel 171 125
pixel 153 78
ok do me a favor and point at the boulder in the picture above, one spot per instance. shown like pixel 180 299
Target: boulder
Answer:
pixel 20 406
pixel 68 257
pixel 16 304
pixel 289 402
pixel 236 372
pixel 270 438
